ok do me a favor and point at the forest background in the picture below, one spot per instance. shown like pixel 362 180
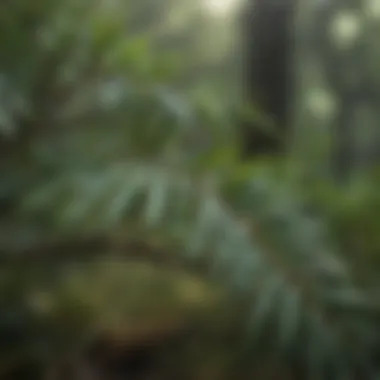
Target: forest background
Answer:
pixel 137 242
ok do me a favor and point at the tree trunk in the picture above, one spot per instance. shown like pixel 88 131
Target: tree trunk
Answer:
pixel 267 80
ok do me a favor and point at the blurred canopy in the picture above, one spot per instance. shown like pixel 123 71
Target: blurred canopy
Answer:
pixel 126 209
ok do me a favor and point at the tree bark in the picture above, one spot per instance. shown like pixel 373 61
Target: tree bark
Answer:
pixel 266 73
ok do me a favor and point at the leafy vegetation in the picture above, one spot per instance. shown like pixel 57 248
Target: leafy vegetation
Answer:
pixel 108 159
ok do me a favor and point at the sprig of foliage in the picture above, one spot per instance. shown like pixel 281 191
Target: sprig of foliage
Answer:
pixel 109 146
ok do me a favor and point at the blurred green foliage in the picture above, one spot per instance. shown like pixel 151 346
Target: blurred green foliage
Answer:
pixel 108 150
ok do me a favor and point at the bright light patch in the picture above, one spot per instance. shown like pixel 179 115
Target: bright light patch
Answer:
pixel 219 7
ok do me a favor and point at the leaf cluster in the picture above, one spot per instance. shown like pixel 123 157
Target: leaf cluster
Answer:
pixel 96 141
